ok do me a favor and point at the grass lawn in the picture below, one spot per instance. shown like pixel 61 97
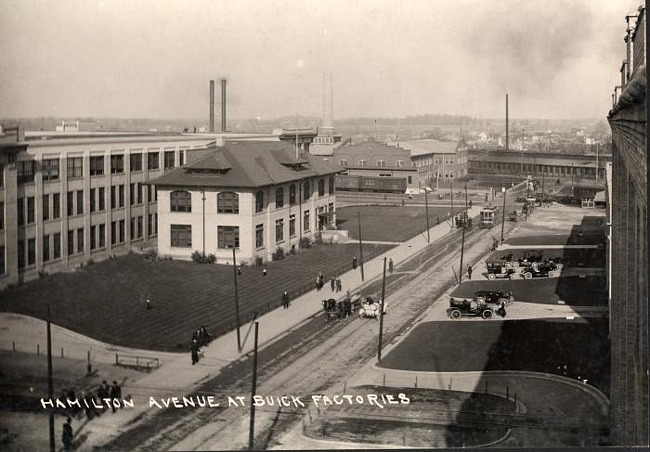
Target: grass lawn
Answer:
pixel 388 223
pixel 106 301
pixel 573 290
pixel 539 345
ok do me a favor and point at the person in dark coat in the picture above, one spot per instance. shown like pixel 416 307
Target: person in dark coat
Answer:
pixel 469 272
pixel 195 351
pixel 285 299
pixel 66 435
pixel 339 285
pixel 354 262
pixel 390 265
pixel 116 393
pixel 333 282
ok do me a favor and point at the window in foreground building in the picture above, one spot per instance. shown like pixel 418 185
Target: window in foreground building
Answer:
pixel 181 235
pixel 228 202
pixel 228 236
pixel 181 201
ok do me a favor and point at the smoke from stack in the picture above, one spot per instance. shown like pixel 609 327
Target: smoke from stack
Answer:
pixel 211 106
pixel 223 105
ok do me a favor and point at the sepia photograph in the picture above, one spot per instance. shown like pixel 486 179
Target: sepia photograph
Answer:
pixel 323 224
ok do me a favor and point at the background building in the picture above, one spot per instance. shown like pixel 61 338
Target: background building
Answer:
pixel 628 259
pixel 437 162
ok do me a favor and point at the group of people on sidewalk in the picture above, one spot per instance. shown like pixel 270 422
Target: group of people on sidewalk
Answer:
pixel 200 338
pixel 335 282
pixel 93 406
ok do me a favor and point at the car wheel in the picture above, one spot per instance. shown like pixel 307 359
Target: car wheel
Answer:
pixel 515 264
pixel 491 276
pixel 528 275
pixel 455 314
pixel 487 314
pixel 560 266
pixel 515 276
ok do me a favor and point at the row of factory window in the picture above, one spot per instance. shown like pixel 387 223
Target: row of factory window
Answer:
pixel 52 242
pixel 228 202
pixel 50 167
pixel 228 236
pixel 75 202
pixel 378 163
pixel 438 161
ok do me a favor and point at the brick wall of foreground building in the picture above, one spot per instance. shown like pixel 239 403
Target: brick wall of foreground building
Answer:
pixel 629 264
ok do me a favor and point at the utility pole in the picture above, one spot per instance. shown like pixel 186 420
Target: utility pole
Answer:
pixel 360 246
pixel 234 269
pixel 543 181
pixel 571 178
pixel 451 192
pixel 597 161
pixel 50 383
pixel 381 313
pixel 503 214
pixel 203 199
pixel 426 204
pixel 462 243
pixel 251 431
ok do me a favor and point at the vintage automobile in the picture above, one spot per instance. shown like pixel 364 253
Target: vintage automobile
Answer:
pixel 463 221
pixel 495 297
pixel 474 307
pixel 501 270
pixel 542 270
pixel 370 307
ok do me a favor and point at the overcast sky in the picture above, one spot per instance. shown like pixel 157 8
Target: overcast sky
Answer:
pixel 389 58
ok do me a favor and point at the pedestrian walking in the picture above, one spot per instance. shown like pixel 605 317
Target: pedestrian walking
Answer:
pixel 195 351
pixel 149 306
pixel 66 435
pixel 469 272
pixel 116 393
pixel 339 285
pixel 317 282
pixel 470 203
pixel 354 262
pixel 285 299
pixel 390 265
pixel 239 270
pixel 333 282
pixel 264 271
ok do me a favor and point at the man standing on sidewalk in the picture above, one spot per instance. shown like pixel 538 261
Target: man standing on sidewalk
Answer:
pixel 390 265
pixel 354 262
pixel 469 271
pixel 285 299
pixel 66 435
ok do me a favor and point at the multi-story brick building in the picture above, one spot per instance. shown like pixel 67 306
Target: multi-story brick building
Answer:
pixel 67 200
pixel 255 197
pixel 628 259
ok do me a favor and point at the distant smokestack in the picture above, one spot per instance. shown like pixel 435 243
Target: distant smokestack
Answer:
pixel 211 106
pixel 223 105
pixel 507 137
pixel 328 104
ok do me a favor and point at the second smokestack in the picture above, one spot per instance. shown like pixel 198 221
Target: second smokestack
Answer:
pixel 223 105
pixel 211 106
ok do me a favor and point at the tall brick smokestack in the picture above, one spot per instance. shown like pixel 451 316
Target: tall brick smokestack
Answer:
pixel 507 124
pixel 328 104
pixel 211 106
pixel 223 104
